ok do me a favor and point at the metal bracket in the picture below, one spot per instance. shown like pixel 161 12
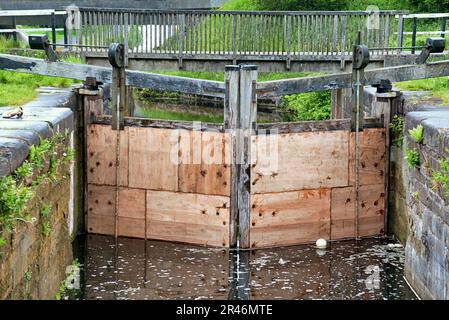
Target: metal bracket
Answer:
pixel 383 86
pixel 41 42
pixel 433 45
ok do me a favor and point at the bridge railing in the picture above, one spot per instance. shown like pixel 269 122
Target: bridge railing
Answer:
pixel 236 34
pixel 438 20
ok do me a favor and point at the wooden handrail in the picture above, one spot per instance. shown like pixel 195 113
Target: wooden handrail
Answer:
pixel 289 35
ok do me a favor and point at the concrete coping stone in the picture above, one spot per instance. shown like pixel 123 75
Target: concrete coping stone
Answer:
pixel 43 117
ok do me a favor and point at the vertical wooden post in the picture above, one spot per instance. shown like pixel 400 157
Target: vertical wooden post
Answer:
pixel 400 32
pixel 234 40
pixel 182 30
pixel 288 22
pixel 240 119
pixel 247 123
pixel 231 117
pixel 337 104
pixel 343 42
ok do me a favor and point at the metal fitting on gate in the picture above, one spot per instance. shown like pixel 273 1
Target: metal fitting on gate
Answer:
pixel 117 58
pixel 116 55
pixel 41 42
pixel 433 45
pixel 361 57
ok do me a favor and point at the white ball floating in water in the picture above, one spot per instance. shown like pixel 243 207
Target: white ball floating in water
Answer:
pixel 321 244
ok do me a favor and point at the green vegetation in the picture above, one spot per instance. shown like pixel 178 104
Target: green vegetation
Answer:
pixel 28 275
pixel 219 76
pixel 417 134
pixel 13 200
pixel 67 290
pixel 412 158
pixel 301 107
pixel 438 86
pixel 19 88
pixel 17 189
pixel 441 178
pixel 319 5
pixel 45 214
pixel 308 106
pixel 331 5
pixel 397 129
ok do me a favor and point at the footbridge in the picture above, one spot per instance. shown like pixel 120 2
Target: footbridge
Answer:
pixel 199 40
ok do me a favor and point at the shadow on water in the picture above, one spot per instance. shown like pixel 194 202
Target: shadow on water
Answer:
pixel 138 269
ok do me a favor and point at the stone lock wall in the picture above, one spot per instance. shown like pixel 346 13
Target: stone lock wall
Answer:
pixel 427 249
pixel 33 263
pixel 35 255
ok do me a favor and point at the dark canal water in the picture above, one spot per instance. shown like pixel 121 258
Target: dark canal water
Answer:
pixel 136 269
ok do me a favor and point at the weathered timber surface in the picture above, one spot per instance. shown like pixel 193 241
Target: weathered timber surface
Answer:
pixel 103 74
pixel 372 157
pixel 215 88
pixel 289 218
pixel 231 109
pixel 299 161
pixel 204 159
pixel 101 155
pixel 371 211
pixel 153 159
pixel 343 80
pixel 162 124
pixel 131 214
pixel 313 126
pixel 191 218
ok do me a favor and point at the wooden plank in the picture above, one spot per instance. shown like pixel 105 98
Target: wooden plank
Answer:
pixel 371 212
pixel 162 124
pixel 153 158
pixel 101 149
pixel 190 218
pixel 372 157
pixel 104 74
pixel 343 80
pixel 279 209
pixel 247 123
pixel 309 160
pixel 101 205
pixel 231 109
pixel 204 159
pixel 132 203
pixel 290 218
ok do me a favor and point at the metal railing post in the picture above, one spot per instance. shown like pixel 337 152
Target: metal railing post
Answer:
pixel 415 26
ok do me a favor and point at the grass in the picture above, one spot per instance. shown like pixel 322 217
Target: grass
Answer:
pixel 438 86
pixel 19 88
pixel 219 76
pixel 59 34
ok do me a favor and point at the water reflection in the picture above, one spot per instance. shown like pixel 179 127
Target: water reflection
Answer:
pixel 137 269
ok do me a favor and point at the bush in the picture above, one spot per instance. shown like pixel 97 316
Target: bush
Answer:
pixel 331 5
pixel 312 106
